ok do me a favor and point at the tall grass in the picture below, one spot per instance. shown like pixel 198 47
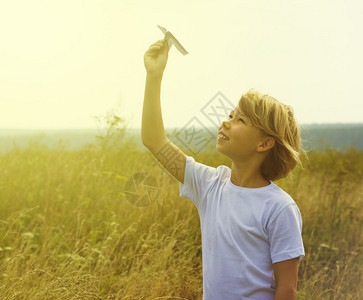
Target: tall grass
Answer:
pixel 67 230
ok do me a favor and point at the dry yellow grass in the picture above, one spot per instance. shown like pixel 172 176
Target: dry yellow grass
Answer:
pixel 67 230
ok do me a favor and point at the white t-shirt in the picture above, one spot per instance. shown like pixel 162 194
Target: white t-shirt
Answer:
pixel 244 231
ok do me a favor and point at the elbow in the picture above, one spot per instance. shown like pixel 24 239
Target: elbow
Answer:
pixel 292 293
pixel 147 145
pixel 155 144
pixel 145 141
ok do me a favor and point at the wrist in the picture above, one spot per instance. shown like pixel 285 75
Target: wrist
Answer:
pixel 155 75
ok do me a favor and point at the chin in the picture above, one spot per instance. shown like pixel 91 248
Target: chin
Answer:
pixel 218 149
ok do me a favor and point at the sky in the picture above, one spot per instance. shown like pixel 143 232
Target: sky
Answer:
pixel 62 63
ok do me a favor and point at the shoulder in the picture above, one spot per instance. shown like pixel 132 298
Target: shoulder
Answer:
pixel 278 196
pixel 277 200
pixel 200 179
pixel 221 171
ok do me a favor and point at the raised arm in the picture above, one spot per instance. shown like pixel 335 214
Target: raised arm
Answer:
pixel 152 128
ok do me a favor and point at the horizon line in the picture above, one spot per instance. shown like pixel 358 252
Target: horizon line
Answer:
pixel 166 128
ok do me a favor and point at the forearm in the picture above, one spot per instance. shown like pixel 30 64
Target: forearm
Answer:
pixel 152 127
pixel 285 293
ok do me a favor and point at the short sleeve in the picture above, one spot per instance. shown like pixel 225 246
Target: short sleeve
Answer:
pixel 284 233
pixel 198 179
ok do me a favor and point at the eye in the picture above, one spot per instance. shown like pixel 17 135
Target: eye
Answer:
pixel 230 116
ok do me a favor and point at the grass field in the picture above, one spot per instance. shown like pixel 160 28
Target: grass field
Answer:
pixel 68 231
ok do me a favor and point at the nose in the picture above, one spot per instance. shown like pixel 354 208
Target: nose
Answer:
pixel 225 124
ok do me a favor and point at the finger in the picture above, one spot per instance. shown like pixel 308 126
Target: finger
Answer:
pixel 155 48
pixel 159 42
pixel 166 45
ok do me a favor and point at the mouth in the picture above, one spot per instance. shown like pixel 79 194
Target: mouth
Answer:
pixel 222 136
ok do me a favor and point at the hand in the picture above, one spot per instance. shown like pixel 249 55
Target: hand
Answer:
pixel 156 56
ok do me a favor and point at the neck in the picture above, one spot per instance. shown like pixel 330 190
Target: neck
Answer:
pixel 248 175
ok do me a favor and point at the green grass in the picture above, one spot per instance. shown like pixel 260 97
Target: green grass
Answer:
pixel 67 230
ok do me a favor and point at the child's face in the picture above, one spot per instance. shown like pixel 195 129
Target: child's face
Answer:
pixel 243 140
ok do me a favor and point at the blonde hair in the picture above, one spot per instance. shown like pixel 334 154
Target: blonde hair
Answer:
pixel 277 120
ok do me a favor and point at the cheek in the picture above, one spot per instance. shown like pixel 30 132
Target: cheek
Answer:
pixel 239 135
pixel 245 137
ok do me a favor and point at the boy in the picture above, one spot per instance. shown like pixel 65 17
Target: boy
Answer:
pixel 251 229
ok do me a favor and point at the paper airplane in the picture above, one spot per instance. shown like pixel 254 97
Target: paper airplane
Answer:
pixel 173 41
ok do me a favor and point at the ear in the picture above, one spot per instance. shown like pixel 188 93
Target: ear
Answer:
pixel 266 144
